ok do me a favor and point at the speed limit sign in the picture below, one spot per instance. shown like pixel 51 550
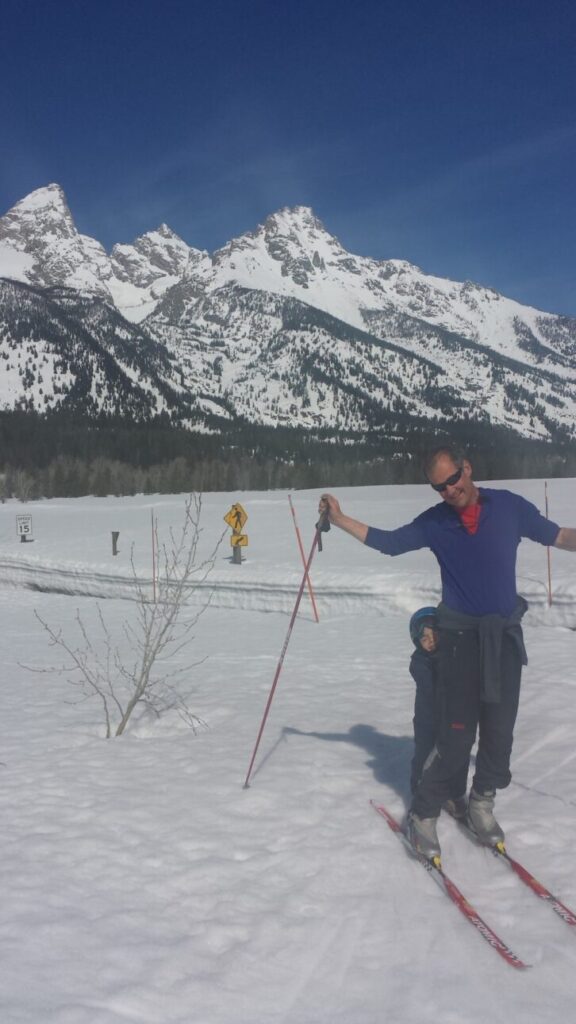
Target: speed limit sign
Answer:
pixel 24 527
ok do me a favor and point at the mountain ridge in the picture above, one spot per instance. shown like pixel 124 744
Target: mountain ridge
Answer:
pixel 283 326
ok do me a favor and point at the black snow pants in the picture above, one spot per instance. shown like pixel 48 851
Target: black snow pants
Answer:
pixel 463 714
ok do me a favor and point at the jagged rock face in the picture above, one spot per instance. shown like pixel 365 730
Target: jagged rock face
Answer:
pixel 41 226
pixel 291 245
pixel 38 221
pixel 284 326
pixel 157 252
pixel 276 360
pixel 289 327
pixel 133 277
pixel 63 351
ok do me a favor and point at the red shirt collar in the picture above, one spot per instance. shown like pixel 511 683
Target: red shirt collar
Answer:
pixel 470 517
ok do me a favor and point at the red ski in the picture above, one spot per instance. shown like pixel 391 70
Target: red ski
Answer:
pixel 434 868
pixel 540 890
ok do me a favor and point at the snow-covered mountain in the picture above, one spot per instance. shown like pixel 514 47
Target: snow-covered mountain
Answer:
pixel 64 351
pixel 40 245
pixel 290 326
pixel 284 326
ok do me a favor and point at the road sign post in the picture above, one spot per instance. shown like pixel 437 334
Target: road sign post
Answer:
pixel 236 518
pixel 24 528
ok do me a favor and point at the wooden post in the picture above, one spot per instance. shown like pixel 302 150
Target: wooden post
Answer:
pixel 548 549
pixel 153 556
pixel 115 535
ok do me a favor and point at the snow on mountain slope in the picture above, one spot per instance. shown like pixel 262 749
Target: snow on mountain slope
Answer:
pixel 278 361
pixel 292 254
pixel 48 250
pixel 283 325
pixel 14 264
pixel 145 270
pixel 464 350
pixel 60 350
pixel 41 226
pixel 275 359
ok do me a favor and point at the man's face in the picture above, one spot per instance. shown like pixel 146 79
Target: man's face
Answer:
pixel 459 494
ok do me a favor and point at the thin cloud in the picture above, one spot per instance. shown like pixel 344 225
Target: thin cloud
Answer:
pixel 467 172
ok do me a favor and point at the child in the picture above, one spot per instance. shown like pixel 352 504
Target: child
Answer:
pixel 423 669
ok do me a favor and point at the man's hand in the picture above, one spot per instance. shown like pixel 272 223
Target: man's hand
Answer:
pixel 566 539
pixel 330 507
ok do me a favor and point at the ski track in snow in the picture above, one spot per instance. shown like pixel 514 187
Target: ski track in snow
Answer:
pixel 268 594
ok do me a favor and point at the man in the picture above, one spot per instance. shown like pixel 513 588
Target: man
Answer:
pixel 474 533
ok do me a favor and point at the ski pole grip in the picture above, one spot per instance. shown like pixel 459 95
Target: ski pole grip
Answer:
pixel 322 526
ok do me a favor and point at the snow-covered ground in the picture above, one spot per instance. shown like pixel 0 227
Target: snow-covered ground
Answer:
pixel 141 883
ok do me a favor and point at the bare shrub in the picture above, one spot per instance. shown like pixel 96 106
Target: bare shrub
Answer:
pixel 141 674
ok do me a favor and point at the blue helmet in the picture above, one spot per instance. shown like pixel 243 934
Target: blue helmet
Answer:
pixel 422 618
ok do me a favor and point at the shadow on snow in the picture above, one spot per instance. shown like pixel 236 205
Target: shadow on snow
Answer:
pixel 389 759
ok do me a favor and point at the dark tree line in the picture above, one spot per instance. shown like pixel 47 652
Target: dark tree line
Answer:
pixel 59 456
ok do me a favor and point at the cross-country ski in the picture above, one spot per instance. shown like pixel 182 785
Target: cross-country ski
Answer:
pixel 435 869
pixel 540 890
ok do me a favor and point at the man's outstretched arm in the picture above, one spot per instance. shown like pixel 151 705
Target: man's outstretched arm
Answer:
pixel 566 539
pixel 331 506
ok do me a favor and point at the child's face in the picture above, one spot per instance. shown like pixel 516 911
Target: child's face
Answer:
pixel 429 639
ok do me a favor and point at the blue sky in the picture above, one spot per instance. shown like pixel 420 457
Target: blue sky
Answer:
pixel 441 132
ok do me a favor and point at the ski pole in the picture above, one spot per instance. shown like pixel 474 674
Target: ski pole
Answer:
pixel 322 526
pixel 299 539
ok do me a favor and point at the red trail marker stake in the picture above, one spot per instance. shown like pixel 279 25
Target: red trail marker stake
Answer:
pixel 321 527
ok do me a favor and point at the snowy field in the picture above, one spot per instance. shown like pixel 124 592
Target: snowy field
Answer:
pixel 141 884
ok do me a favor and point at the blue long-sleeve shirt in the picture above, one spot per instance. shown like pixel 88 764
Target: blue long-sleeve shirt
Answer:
pixel 478 571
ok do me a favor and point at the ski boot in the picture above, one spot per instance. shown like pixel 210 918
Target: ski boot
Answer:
pixel 480 818
pixel 423 837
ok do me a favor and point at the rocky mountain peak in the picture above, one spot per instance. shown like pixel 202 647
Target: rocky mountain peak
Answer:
pixel 294 218
pixel 39 244
pixel 300 226
pixel 155 256
pixel 290 246
pixel 166 232
pixel 40 217
pixel 282 326
pixel 48 197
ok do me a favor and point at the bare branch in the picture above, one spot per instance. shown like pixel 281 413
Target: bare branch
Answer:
pixel 147 674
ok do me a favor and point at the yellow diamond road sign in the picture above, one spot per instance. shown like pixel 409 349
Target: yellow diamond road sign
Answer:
pixel 236 517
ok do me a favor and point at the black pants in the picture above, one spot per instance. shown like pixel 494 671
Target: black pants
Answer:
pixel 427 724
pixel 462 714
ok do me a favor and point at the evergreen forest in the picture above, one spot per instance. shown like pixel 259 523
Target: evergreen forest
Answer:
pixel 55 455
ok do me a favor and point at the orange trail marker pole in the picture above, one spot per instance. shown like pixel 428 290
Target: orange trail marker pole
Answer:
pixel 308 580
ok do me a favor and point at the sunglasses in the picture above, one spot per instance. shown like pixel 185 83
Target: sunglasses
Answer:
pixel 449 482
